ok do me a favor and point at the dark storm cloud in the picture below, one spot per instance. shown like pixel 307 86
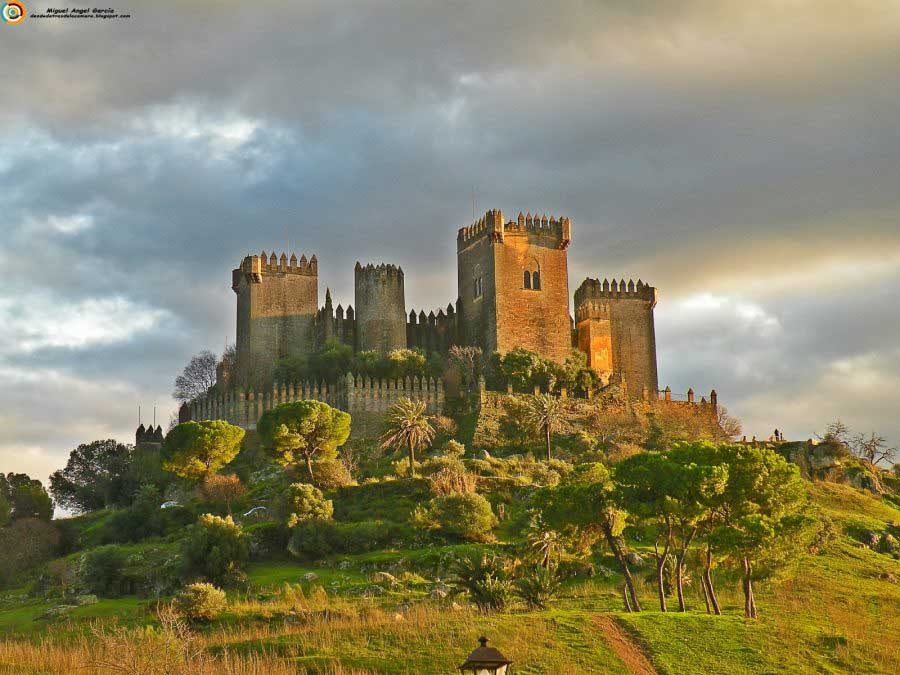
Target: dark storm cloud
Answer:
pixel 740 156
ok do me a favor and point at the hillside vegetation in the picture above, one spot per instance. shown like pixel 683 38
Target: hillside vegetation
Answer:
pixel 379 565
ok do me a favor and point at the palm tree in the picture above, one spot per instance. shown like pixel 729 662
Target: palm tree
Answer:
pixel 545 414
pixel 408 427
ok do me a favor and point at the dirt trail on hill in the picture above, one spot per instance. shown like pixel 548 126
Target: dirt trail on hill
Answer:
pixel 624 646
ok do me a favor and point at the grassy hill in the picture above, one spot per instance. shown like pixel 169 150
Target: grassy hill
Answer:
pixel 833 610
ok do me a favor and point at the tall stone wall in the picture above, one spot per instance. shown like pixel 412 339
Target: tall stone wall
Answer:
pixel 380 308
pixel 276 311
pixel 432 333
pixel 615 328
pixel 367 400
pixel 514 284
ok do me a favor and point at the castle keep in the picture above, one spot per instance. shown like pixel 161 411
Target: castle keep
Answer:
pixel 512 291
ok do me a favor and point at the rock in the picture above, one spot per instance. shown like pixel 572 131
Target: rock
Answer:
pixel 310 576
pixel 344 565
pixel 399 617
pixel 86 600
pixel 55 612
pixel 383 578
pixel 888 543
pixel 438 594
pixel 634 560
pixel 455 606
pixel 373 592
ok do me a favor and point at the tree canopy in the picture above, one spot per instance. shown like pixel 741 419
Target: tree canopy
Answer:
pixel 97 475
pixel 26 497
pixel 197 450
pixel 303 430
pixel 197 377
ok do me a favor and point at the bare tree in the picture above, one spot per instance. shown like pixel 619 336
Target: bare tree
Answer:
pixel 836 432
pixel 197 377
pixel 872 448
pixel 730 426
pixel 467 360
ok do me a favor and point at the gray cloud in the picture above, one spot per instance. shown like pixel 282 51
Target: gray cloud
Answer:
pixel 740 157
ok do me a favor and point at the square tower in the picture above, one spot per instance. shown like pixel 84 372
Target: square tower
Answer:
pixel 276 311
pixel 514 285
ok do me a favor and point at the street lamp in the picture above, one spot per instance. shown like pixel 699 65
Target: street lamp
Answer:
pixel 485 661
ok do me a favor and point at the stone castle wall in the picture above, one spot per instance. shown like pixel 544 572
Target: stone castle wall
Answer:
pixel 276 310
pixel 615 328
pixel 380 308
pixel 367 400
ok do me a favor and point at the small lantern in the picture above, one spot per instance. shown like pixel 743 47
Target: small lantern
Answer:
pixel 486 661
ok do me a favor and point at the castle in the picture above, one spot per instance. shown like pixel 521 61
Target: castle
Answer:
pixel 513 291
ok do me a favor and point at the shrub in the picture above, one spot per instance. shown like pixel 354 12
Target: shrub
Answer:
pixel 465 516
pixel 452 479
pixel 320 538
pixel 331 475
pixel 453 449
pixel 486 579
pixel 537 587
pixel 269 537
pixel 222 492
pixel 200 602
pixel 305 502
pixel 145 519
pixel 215 548
pixel 102 570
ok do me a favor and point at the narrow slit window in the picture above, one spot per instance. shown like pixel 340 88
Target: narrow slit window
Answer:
pixel 527 279
pixel 536 280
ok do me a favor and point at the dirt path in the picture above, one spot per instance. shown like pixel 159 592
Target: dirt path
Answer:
pixel 624 646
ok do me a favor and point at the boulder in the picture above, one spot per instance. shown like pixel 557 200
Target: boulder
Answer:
pixel 310 576
pixel 86 600
pixel 634 560
pixel 383 578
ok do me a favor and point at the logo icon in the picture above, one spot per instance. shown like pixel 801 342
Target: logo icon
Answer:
pixel 13 12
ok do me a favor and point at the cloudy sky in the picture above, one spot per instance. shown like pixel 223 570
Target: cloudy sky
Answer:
pixel 744 157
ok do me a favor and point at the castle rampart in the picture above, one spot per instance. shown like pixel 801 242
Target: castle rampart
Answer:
pixel 276 311
pixel 380 308
pixel 614 327
pixel 366 399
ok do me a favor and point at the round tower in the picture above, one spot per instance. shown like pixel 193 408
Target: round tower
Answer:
pixel 380 308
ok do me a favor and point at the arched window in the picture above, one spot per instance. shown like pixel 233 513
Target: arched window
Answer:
pixel 527 280
pixel 536 280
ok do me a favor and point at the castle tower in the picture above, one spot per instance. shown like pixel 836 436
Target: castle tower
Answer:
pixel 380 308
pixel 276 312
pixel 514 284
pixel 614 327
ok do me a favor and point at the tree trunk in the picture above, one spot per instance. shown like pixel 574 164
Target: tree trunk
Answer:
pixel 549 456
pixel 705 594
pixel 707 579
pixel 619 555
pixel 312 478
pixel 660 585
pixel 412 461
pixel 749 602
pixel 679 572
pixel 625 598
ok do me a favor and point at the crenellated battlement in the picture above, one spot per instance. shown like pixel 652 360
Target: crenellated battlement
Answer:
pixel 380 271
pixel 594 290
pixel 253 267
pixel 492 226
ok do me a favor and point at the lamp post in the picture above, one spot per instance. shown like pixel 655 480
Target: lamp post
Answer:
pixel 486 661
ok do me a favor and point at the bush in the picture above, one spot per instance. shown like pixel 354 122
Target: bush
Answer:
pixel 331 475
pixel 145 519
pixel 486 579
pixel 269 537
pixel 215 548
pixel 222 492
pixel 200 602
pixel 102 570
pixel 320 538
pixel 453 449
pixel 537 587
pixel 305 502
pixel 465 516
